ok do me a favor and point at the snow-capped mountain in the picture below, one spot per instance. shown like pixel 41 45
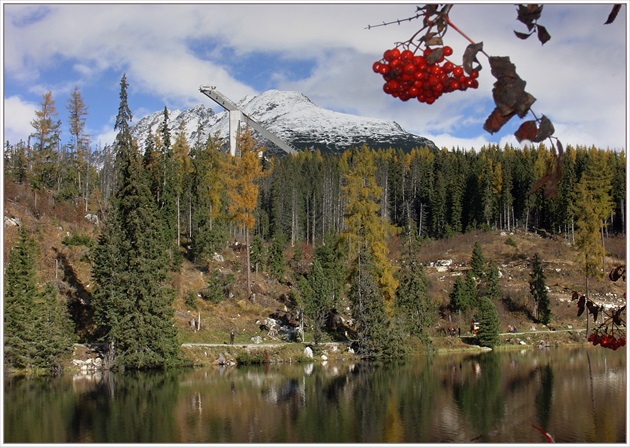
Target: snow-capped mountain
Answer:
pixel 291 116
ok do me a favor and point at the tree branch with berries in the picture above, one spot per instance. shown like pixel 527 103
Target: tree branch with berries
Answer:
pixel 611 331
pixel 420 68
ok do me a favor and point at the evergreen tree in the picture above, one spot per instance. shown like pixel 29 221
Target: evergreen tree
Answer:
pixel 181 170
pixel 488 334
pixel 413 303
pixel 54 330
pixel 133 303
pixel 37 327
pixel 258 253
pixel 209 228
pixel 151 164
pixel 167 192
pixel 493 287
pixel 19 292
pixel 463 296
pixel 457 297
pixel 376 336
pixel 276 262
pixel 538 291
pixel 331 255
pixel 317 295
pixel 478 262
pixel 16 161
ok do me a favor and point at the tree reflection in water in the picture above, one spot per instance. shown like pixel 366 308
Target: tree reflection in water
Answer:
pixel 577 395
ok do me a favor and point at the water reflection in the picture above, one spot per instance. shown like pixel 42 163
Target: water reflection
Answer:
pixel 578 395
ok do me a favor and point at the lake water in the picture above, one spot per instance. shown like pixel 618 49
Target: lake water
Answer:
pixel 575 394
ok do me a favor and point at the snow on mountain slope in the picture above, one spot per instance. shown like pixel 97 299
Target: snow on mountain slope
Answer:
pixel 294 118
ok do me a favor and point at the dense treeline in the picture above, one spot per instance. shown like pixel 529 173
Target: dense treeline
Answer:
pixel 439 193
pixel 167 198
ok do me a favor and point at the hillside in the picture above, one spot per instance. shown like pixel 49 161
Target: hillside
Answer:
pixel 62 232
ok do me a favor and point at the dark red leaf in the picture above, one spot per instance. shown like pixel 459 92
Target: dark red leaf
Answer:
pixel 522 36
pixel 617 316
pixel 496 120
pixel 509 90
pixel 539 184
pixel 551 178
pixel 434 42
pixel 526 131
pixel 618 272
pixel 528 14
pixel 555 175
pixel 581 305
pixel 547 436
pixel 560 148
pixel 592 309
pixel 613 14
pixel 470 57
pixel 545 130
pixel 435 55
pixel 543 34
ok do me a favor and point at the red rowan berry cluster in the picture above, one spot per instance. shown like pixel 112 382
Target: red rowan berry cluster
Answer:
pixel 607 341
pixel 425 78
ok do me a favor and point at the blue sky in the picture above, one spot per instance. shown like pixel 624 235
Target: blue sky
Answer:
pixel 323 50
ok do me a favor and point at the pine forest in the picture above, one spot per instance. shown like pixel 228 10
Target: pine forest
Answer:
pixel 156 238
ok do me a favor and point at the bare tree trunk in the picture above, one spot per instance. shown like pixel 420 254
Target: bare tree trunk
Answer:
pixel 586 312
pixel 604 250
pixel 249 280
pixel 178 224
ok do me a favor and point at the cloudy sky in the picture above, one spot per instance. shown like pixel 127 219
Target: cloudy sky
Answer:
pixel 324 50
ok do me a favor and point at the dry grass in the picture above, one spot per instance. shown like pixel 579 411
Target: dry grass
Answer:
pixel 49 227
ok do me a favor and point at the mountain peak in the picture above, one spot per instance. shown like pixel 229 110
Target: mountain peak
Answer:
pixel 294 118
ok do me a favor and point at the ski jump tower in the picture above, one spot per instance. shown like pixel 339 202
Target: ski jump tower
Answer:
pixel 237 116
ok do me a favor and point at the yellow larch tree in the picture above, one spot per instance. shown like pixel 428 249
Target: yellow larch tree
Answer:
pixel 242 177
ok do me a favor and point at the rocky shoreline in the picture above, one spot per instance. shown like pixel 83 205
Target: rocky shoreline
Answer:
pixel 87 361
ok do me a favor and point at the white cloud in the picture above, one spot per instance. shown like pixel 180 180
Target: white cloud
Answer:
pixel 17 117
pixel 169 50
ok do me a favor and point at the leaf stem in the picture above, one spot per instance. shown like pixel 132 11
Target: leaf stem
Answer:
pixel 452 25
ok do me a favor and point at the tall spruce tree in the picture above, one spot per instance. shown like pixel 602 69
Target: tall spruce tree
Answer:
pixel 463 296
pixel 317 296
pixel 493 287
pixel 133 303
pixel 377 337
pixel 38 331
pixel 413 303
pixel 209 230
pixel 478 262
pixel 538 291
pixel 488 334
pixel 19 292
